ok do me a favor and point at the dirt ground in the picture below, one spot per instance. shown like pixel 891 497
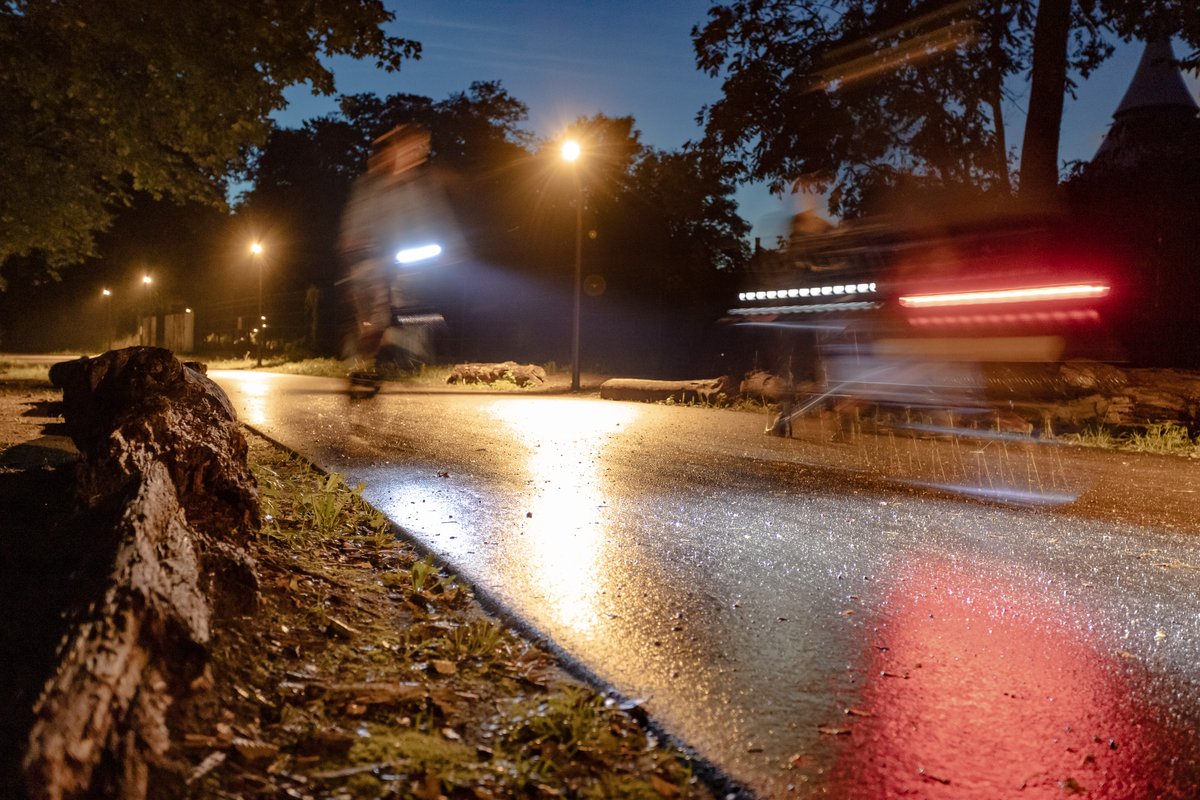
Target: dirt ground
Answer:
pixel 366 671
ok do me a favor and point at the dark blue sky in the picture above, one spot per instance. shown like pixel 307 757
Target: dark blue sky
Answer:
pixel 568 58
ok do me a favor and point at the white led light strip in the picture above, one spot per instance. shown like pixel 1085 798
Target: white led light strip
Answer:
pixel 808 291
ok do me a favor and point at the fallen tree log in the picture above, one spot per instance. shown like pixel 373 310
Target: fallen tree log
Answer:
pixel 522 375
pixel 708 391
pixel 161 451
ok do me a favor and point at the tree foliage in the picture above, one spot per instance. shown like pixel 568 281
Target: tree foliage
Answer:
pixel 100 100
pixel 861 92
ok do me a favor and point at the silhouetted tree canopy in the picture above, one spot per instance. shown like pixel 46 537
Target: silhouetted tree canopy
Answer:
pixel 100 100
pixel 861 92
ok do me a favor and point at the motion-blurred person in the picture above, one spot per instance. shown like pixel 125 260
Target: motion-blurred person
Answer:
pixel 397 223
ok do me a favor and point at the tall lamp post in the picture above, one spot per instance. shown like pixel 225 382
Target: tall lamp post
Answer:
pixel 256 250
pixel 570 154
pixel 106 295
pixel 147 306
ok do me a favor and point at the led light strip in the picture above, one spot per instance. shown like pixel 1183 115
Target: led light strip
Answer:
pixel 861 306
pixel 809 291
pixel 1023 295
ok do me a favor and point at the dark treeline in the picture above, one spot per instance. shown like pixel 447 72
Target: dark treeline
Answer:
pixel 662 242
pixel 662 239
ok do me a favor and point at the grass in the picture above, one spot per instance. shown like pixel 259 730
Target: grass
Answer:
pixel 1159 438
pixel 33 374
pixel 344 602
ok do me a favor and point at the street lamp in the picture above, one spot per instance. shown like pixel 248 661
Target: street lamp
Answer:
pixel 147 305
pixel 256 249
pixel 570 153
pixel 106 294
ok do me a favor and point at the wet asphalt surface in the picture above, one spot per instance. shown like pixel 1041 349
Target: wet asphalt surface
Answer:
pixel 809 628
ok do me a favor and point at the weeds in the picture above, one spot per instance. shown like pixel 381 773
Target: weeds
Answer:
pixel 315 502
pixel 1163 437
pixel 478 639
pixel 24 373
pixel 426 578
pixel 1159 438
pixel 571 720
pixel 1096 436
pixel 325 506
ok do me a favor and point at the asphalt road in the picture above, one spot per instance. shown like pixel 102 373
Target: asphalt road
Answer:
pixel 810 628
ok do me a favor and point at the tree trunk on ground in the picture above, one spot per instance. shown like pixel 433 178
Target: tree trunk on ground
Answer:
pixel 710 390
pixel 521 374
pixel 1048 83
pixel 160 446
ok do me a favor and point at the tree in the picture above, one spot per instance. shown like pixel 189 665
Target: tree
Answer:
pixel 862 92
pixel 302 176
pixel 1094 22
pixel 100 100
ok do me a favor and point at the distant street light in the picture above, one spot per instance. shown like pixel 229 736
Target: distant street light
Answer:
pixel 570 153
pixel 108 317
pixel 256 249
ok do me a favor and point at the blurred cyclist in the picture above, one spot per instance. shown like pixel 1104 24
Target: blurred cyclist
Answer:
pixel 396 221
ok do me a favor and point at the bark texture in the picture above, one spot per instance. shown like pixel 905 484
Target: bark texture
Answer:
pixel 161 448
pixel 521 374
pixel 1048 84
pixel 710 390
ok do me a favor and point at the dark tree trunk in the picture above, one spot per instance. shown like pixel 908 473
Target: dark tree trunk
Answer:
pixel 1048 82
pixel 161 450
pixel 998 26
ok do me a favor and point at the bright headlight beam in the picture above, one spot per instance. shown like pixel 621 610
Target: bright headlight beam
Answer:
pixel 411 255
pixel 1028 294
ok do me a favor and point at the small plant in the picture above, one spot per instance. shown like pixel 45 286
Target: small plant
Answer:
pixel 1161 437
pixel 477 639
pixel 570 720
pixel 1096 436
pixel 423 574
pixel 325 506
pixel 318 609
pixel 377 540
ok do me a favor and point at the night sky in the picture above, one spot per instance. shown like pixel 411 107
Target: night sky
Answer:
pixel 568 58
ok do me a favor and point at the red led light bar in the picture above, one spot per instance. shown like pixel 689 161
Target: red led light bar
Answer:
pixel 1026 294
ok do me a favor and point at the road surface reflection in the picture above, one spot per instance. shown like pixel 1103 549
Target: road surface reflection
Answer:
pixel 978 687
pixel 564 534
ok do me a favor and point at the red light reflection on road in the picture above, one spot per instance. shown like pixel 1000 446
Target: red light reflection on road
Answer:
pixel 978 688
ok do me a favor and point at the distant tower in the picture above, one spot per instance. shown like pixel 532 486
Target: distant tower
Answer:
pixel 1156 117
pixel 1140 195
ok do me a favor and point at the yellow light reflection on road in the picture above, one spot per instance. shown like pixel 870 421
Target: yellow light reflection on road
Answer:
pixel 565 537
pixel 254 388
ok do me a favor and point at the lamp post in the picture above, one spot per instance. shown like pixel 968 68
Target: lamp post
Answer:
pixel 106 295
pixel 570 154
pixel 147 304
pixel 256 249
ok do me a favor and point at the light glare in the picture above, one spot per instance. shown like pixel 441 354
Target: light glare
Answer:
pixel 411 255
pixel 1019 295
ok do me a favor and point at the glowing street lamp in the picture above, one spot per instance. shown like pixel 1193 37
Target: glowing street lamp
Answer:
pixel 256 249
pixel 570 153
pixel 106 294
pixel 147 310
